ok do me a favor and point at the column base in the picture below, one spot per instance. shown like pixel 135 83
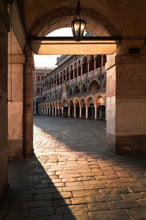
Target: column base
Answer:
pixel 132 145
pixel 126 145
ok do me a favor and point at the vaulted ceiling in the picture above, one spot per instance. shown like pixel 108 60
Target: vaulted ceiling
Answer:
pixel 104 17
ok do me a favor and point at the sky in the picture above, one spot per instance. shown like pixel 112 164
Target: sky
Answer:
pixel 50 60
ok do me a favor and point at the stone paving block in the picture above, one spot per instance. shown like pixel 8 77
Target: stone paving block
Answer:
pixel 123 204
pixel 73 188
pixel 40 204
pixel 53 217
pixel 70 179
pixel 83 200
pixel 76 217
pixel 61 202
pixel 43 196
pixel 61 195
pixel 137 213
pixel 74 184
pixel 42 211
pixel 98 206
pixel 85 193
pixel 108 197
pixel 78 209
pixel 142 202
pixel 109 215
pixel 132 196
pixel 18 213
pixel 138 188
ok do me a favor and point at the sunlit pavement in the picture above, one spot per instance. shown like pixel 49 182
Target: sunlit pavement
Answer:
pixel 72 176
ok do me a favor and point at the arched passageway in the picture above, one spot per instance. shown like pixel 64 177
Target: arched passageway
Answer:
pixel 84 111
pixel 101 111
pixel 77 110
pixel 91 110
pixel 71 110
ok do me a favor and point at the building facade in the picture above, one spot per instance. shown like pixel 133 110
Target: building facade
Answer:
pixel 76 88
pixel 38 75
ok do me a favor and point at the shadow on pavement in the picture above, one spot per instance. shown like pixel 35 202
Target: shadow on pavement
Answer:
pixel 32 193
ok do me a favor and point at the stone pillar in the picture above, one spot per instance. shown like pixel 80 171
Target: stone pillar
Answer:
pixel 95 63
pixel 95 116
pixel 69 112
pixel 4 28
pixel 49 111
pixel 82 69
pixel 88 66
pixel 28 106
pixel 86 112
pixel 58 111
pixel 80 111
pixel 126 103
pixel 55 111
pixel 75 111
pixel 15 102
pixel 62 111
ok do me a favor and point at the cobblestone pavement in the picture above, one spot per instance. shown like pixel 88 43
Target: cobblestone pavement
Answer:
pixel 72 176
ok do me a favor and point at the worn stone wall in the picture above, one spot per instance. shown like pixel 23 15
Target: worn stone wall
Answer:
pixel 15 98
pixel 126 103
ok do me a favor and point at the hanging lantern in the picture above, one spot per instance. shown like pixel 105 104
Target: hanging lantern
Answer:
pixel 78 24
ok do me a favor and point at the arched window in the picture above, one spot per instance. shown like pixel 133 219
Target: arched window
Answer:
pixel 93 86
pixel 38 90
pixel 98 61
pixel 85 65
pixel 71 71
pixel 79 66
pixel 38 78
pixel 104 60
pixel 91 63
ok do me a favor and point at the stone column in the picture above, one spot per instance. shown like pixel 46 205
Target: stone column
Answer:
pixel 75 111
pixel 126 103
pixel 69 112
pixel 15 101
pixel 4 28
pixel 62 111
pixel 49 111
pixel 28 106
pixel 80 111
pixel 88 66
pixel 94 63
pixel 82 69
pixel 55 111
pixel 95 116
pixel 86 112
pixel 58 111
